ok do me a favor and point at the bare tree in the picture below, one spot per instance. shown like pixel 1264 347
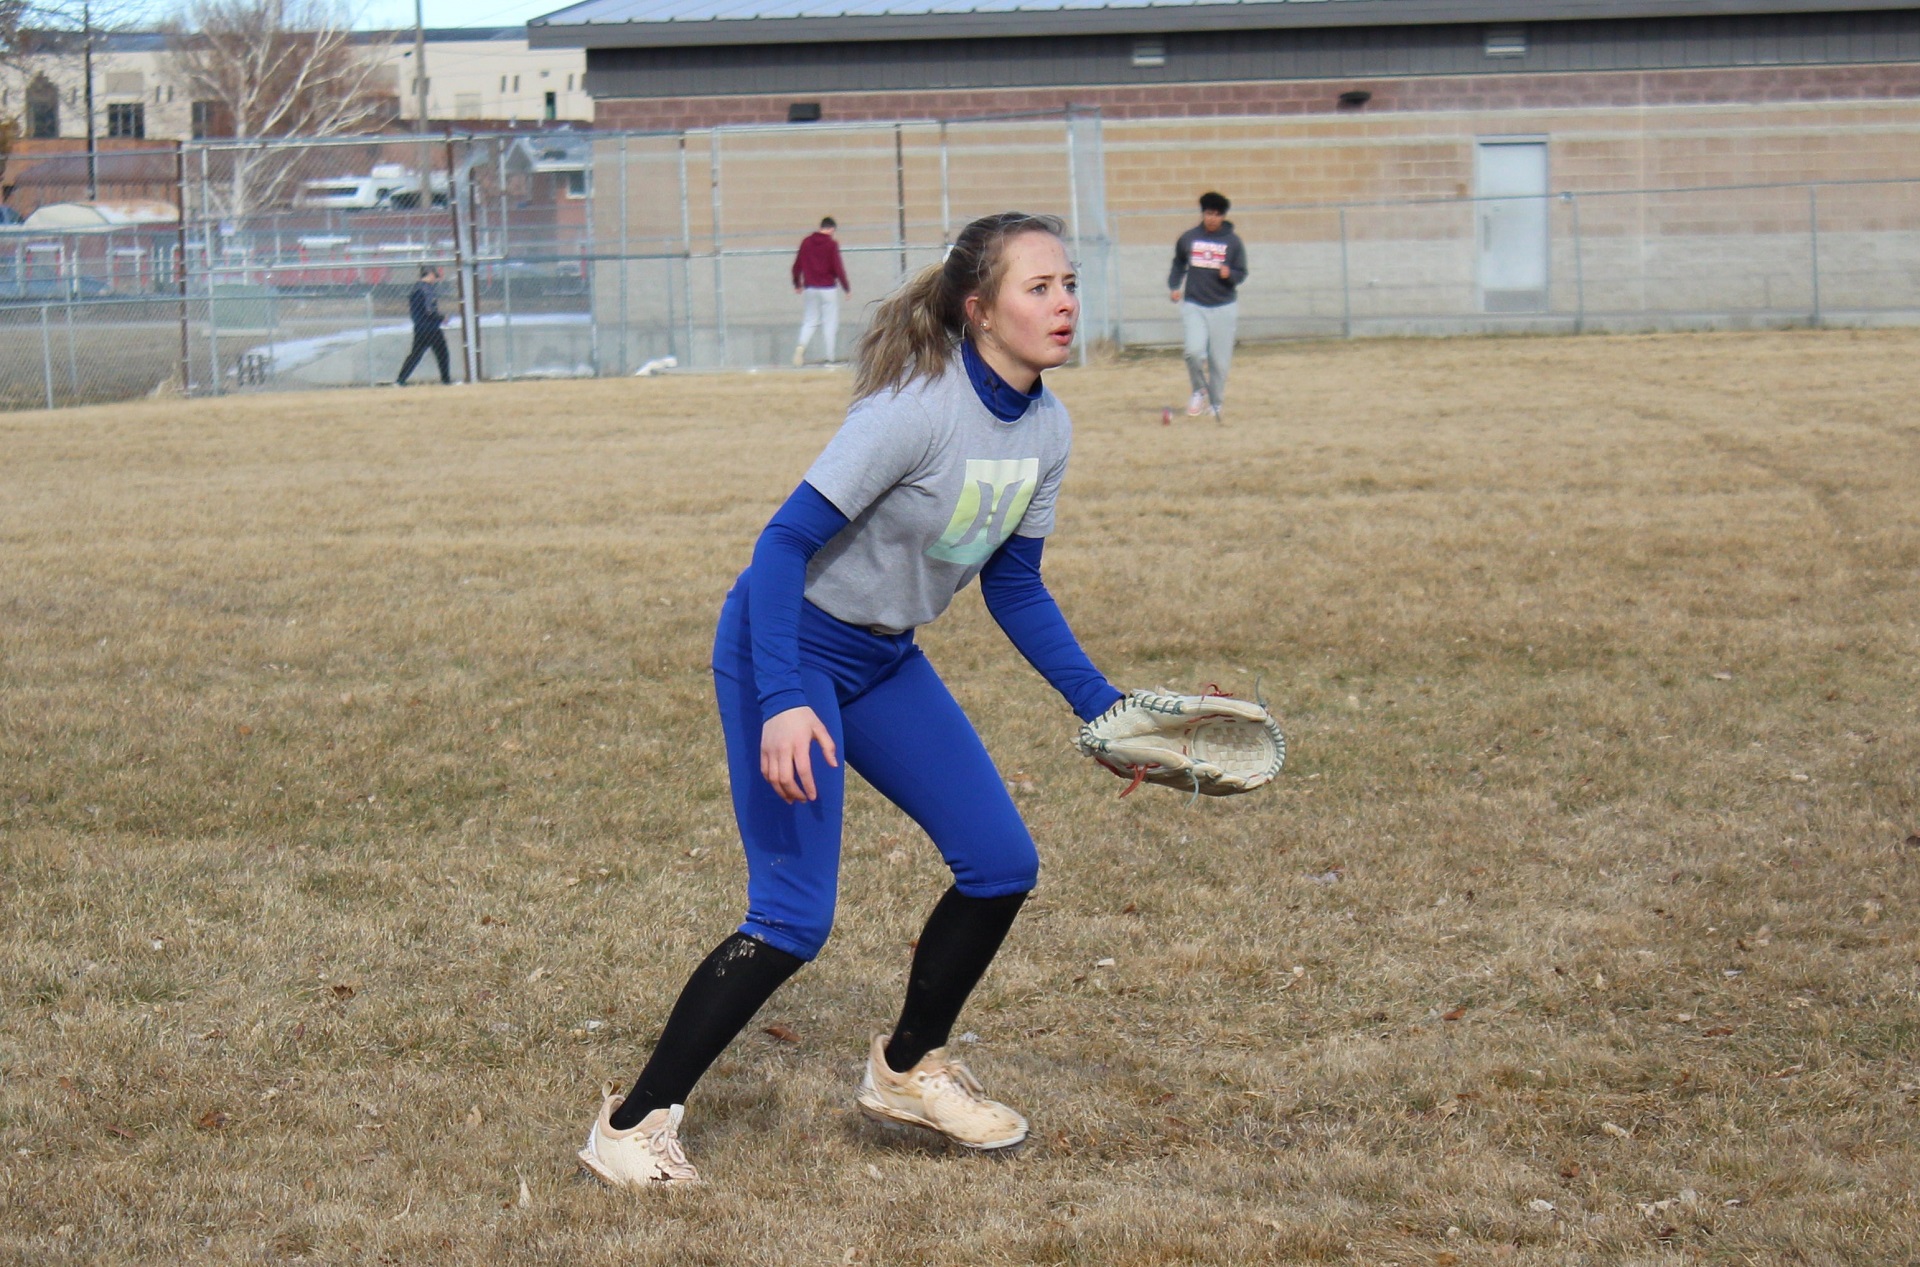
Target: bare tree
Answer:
pixel 272 69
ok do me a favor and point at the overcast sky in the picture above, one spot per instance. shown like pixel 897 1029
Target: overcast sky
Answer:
pixel 389 14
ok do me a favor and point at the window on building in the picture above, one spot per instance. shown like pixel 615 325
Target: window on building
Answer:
pixel 1506 41
pixel 127 118
pixel 553 106
pixel 503 84
pixel 208 120
pixel 1150 52
pixel 569 83
pixel 576 184
pixel 43 109
pixel 516 83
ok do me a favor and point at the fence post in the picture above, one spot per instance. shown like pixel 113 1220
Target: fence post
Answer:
pixel 900 195
pixel 73 358
pixel 506 253
pixel 719 264
pixel 180 267
pixel 1579 270
pixel 368 342
pixel 463 266
pixel 218 383
pixel 624 360
pixel 1346 290
pixel 686 249
pixel 1073 209
pixel 1813 242
pixel 46 354
pixel 946 193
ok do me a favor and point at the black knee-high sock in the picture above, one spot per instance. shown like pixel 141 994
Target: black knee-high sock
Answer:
pixel 719 999
pixel 960 939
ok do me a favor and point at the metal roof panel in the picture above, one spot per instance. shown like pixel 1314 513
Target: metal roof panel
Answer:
pixel 656 23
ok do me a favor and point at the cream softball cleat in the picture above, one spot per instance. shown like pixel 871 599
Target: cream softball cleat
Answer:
pixel 645 1155
pixel 939 1094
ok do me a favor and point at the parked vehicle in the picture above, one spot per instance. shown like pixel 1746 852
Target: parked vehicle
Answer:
pixel 389 186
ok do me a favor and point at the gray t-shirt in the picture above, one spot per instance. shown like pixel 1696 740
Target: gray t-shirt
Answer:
pixel 934 484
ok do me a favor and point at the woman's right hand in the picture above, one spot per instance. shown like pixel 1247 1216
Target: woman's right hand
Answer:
pixel 786 752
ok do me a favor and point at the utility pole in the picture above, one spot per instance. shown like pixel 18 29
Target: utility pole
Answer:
pixel 93 160
pixel 425 161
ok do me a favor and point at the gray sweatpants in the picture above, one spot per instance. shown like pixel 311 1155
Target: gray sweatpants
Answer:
pixel 1209 347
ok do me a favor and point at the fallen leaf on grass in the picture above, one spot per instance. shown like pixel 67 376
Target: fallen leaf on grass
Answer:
pixel 537 974
pixel 114 1128
pixel 66 1084
pixel 1913 841
pixel 1539 1206
pixel 1789 1072
pixel 344 992
pixel 211 1120
pixel 526 1194
pixel 1718 1031
pixel 474 1117
pixel 1616 1130
pixel 781 1032
pixel 1570 1171
pixel 1445 1258
pixel 1454 1015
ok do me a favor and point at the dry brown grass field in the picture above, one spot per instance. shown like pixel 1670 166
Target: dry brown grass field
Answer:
pixel 362 809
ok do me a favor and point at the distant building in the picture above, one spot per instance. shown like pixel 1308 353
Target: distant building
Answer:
pixel 477 76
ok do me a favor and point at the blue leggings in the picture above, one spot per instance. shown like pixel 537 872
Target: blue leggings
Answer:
pixel 896 724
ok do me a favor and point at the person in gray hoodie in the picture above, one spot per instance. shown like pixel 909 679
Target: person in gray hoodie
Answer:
pixel 1209 263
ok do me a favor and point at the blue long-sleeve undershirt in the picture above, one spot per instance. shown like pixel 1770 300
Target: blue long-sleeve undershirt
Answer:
pixel 1010 583
pixel 1033 622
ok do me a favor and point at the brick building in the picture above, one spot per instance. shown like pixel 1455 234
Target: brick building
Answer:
pixel 1472 118
pixel 695 63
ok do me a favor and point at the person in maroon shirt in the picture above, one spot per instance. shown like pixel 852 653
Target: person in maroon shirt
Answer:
pixel 819 277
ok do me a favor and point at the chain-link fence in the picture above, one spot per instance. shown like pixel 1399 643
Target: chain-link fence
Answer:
pixel 594 254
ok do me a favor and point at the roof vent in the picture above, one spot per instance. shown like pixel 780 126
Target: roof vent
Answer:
pixel 1506 41
pixel 1150 52
pixel 804 112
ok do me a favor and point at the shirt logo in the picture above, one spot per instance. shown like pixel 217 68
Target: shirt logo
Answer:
pixel 1208 255
pixel 993 499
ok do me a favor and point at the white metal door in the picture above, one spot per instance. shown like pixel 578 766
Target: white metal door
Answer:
pixel 1511 181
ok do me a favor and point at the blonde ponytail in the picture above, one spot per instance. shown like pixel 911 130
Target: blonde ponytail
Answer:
pixel 916 328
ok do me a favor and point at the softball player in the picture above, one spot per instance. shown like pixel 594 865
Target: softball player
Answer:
pixel 946 468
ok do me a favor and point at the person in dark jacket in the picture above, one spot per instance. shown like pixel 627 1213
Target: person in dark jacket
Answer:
pixel 423 306
pixel 818 277
pixel 1209 263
